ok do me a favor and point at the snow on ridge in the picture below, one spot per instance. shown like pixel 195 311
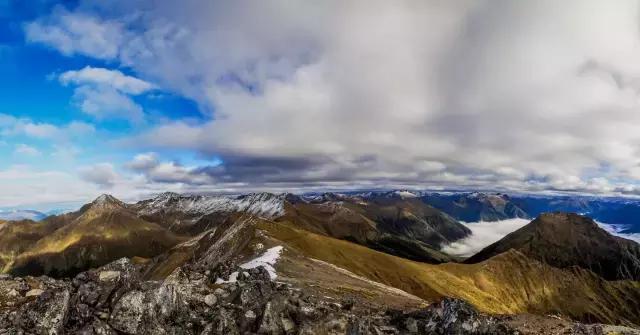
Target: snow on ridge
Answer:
pixel 266 260
pixel 405 194
pixel 262 204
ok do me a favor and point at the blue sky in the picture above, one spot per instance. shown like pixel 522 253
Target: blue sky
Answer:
pixel 139 97
pixel 31 91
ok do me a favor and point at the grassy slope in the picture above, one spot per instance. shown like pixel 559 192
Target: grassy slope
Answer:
pixel 93 240
pixel 354 222
pixel 508 283
pixel 563 240
pixel 18 236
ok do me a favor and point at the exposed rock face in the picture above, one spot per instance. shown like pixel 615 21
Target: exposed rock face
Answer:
pixel 188 303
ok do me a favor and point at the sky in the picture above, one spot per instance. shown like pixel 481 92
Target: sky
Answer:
pixel 136 97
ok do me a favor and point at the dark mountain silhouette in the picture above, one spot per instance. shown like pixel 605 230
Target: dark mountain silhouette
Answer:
pixel 565 240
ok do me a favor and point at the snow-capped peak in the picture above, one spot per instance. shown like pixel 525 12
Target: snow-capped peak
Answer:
pixel 261 204
pixel 104 198
pixel 405 194
pixel 106 201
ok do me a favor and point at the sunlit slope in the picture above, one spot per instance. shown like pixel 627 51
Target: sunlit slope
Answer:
pixel 508 283
pixel 98 236
pixel 402 227
pixel 18 236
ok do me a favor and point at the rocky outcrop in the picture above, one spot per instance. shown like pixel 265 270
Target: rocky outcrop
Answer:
pixel 115 300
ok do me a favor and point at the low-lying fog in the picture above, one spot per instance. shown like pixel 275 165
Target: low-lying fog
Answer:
pixel 485 233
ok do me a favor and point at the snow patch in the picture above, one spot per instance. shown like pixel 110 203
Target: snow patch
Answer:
pixel 266 260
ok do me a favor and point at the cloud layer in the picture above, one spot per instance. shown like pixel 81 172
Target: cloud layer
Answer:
pixel 482 235
pixel 505 95
pixel 617 230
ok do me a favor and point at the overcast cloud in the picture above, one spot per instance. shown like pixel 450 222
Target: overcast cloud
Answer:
pixel 504 95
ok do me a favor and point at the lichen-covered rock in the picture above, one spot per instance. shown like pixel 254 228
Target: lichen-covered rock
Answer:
pixel 450 316
pixel 46 315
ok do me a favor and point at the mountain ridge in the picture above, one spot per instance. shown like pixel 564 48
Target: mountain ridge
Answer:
pixel 374 249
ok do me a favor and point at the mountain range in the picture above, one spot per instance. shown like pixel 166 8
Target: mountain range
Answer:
pixel 477 206
pixel 21 214
pixel 192 262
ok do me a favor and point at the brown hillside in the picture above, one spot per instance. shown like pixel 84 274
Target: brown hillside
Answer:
pixel 102 233
pixel 509 283
pixel 565 240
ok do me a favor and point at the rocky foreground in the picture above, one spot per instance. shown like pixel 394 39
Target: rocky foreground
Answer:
pixel 115 300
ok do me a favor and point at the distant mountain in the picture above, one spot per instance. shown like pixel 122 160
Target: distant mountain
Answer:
pixel 399 225
pixel 621 212
pixel 21 214
pixel 473 207
pixel 624 213
pixel 565 240
pixel 192 214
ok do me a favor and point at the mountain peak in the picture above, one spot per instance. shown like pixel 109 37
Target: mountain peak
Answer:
pixel 105 198
pixel 107 201
pixel 569 239
pixel 167 195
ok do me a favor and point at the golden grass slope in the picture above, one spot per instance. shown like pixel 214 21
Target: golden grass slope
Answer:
pixel 93 239
pixel 506 284
pixel 18 236
pixel 390 227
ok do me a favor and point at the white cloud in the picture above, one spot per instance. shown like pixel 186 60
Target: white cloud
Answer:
pixel 479 94
pixel 106 94
pixel 65 152
pixel 144 161
pixel 102 174
pixel 618 230
pixel 77 34
pixel 13 126
pixel 156 171
pixel 26 150
pixel 112 78
pixel 103 102
pixel 482 235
